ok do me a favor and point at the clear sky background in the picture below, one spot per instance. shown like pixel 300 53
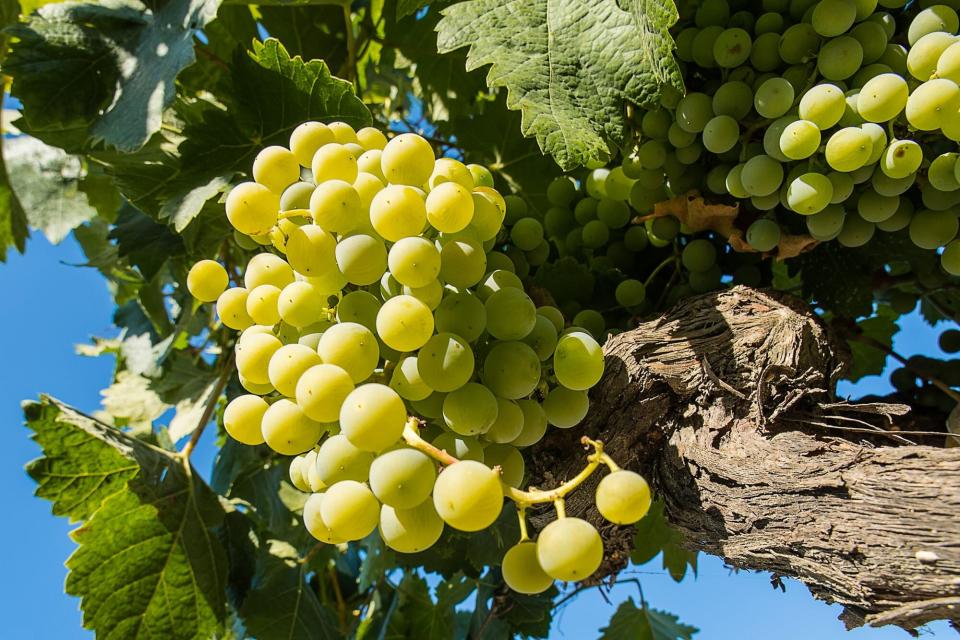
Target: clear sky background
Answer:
pixel 49 306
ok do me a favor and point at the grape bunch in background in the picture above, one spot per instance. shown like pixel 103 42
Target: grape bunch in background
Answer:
pixel 381 336
pixel 833 118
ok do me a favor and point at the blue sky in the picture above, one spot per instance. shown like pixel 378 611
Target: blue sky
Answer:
pixel 51 306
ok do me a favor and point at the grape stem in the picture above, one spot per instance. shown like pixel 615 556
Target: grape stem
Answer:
pixel 208 410
pixel 411 435
pixel 536 496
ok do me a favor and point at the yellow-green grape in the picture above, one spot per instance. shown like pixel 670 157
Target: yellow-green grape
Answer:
pixel 287 364
pixel 310 250
pixel 335 206
pixel 809 193
pixel 950 258
pixel 552 314
pixel 296 474
pixel 449 207
pixel 878 138
pixel 460 447
pixel 407 159
pixel 350 510
pixel 948 64
pixel 244 241
pixel 206 280
pixel 933 229
pixel 856 231
pixel 509 422
pixel 307 138
pixel 848 149
pixel 481 175
pixel 360 307
pixel 925 52
pixel 322 390
pixel 800 139
pixel 300 304
pixel 522 571
pixel 262 304
pixel 352 347
pixel 330 283
pixel 468 495
pixel 253 356
pixel 623 497
pixel 510 461
pixel 255 388
pixel 369 162
pixel 901 159
pixel 450 170
pixel 371 138
pixel 252 208
pixel 511 314
pixel 445 362
pixel 362 259
pixel 287 430
pixel 367 186
pixel 822 105
pixel 578 361
pixel 410 530
pixel 310 335
pixel 569 549
pixel 243 419
pixel 266 268
pixel 511 370
pixel 339 460
pixel 495 281
pixel 534 423
pixel 462 313
pixel 414 262
pixel 543 338
pixel 406 380
pixel 276 168
pixel 334 162
pixel 402 478
pixel 310 471
pixel 565 408
pixel 373 417
pixel 343 133
pixel 930 104
pixel 232 309
pixel 313 520
pixel 404 323
pixel 489 210
pixel 470 410
pixel 463 262
pixel 398 212
pixel 941 172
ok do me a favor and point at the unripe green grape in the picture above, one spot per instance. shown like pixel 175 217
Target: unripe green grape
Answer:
pixel 769 22
pixel 404 323
pixel 856 231
pixel 595 234
pixel 338 460
pixel 398 212
pixel 698 255
pixel 553 314
pixel 470 410
pixel 361 259
pixel 407 159
pixel 489 210
pixel 931 103
pixel 800 139
pixel 873 207
pixel 771 142
pixel 307 138
pixel 462 314
pixel 522 571
pixel 300 304
pixel 511 314
pixel 848 149
pixel 244 241
pixel 833 17
pixel 206 280
pixel 253 355
pixel 243 419
pixel 701 48
pixel 350 510
pixel 561 190
pixel 252 208
pixel 569 549
pixel 950 261
pixel 827 224
pixel 287 430
pixel 352 347
pixel 534 423
pixel 565 408
pixel 402 478
pixel 839 58
pixel 406 380
pixel 773 98
pixel 613 213
pixel 542 338
pixel 591 320
pixel 684 41
pixel 763 235
pixel 508 424
pixel 732 48
pixel 449 207
pixel 798 43
pixel 930 20
pixel 445 362
pixel 321 391
pixel 463 263
pixel 942 172
pixel 878 144
pixel 933 229
pixel 511 370
pixel 497 280
pixel 510 461
pixel 468 496
pixel 693 112
pixel 761 175
pixel 482 177
pixel 410 530
pixel 721 134
pixel 527 233
pixel 765 53
pixel 630 293
pixel 313 520
pixel 287 364
pixel 809 193
pixel 516 208
pixel 276 168
pixel 623 497
pixel 887 186
pixel 732 99
pixel 872 38
pixel 360 307
pixel 578 361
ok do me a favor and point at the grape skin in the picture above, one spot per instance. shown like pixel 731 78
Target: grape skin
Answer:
pixel 569 549
pixel 468 496
pixel 410 530
pixel 522 571
pixel 623 497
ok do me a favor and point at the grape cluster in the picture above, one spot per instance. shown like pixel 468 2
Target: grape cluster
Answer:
pixel 374 304
pixel 833 118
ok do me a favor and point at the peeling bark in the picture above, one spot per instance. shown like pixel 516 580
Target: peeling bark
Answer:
pixel 727 406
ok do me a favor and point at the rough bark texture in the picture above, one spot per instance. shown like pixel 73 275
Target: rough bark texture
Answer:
pixel 727 406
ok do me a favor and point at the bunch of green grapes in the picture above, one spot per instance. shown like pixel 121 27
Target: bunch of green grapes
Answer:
pixel 376 304
pixel 833 118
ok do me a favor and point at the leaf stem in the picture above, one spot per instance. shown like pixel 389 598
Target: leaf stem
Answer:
pixel 208 410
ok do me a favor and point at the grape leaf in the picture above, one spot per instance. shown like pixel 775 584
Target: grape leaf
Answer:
pixel 568 66
pixel 281 605
pixel 131 401
pixel 420 617
pixel 654 535
pixel 630 622
pixel 148 564
pixel 409 7
pixel 104 71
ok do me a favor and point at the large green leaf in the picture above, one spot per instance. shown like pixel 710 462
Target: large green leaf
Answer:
pixel 148 564
pixel 631 622
pixel 655 535
pixel 281 605
pixel 569 66
pixel 106 70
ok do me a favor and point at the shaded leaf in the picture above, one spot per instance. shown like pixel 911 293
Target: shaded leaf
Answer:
pixel 655 535
pixel 631 622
